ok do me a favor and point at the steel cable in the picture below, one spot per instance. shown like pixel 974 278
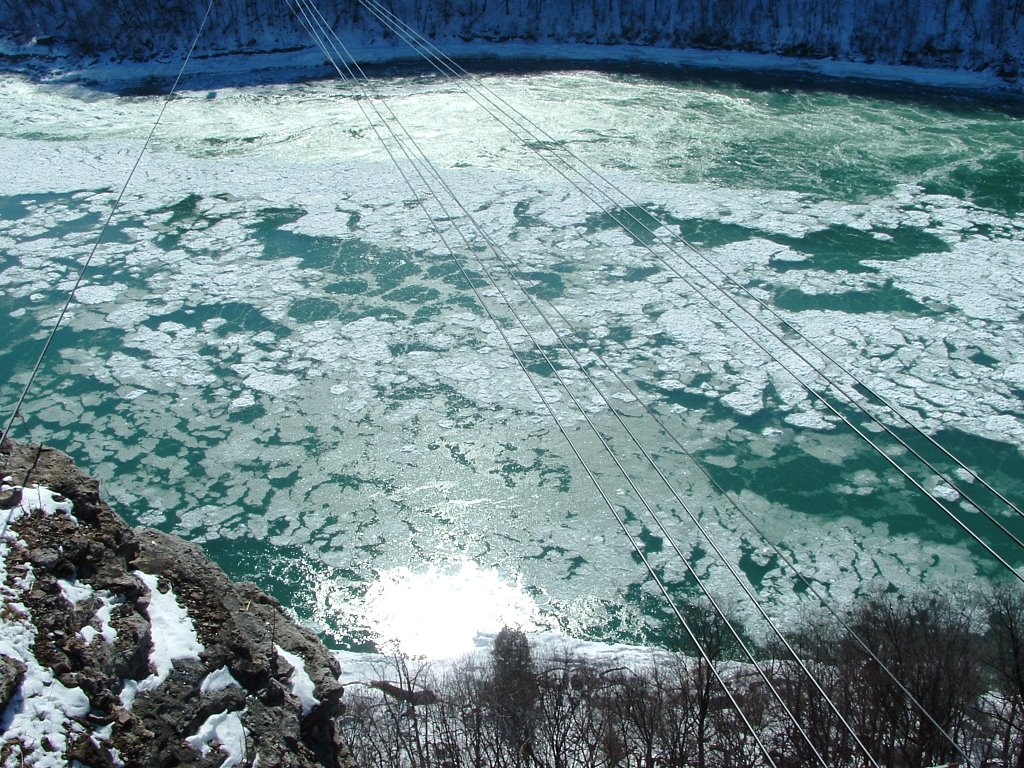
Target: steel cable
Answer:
pixel 533 146
pixel 675 493
pixel 590 473
pixel 437 58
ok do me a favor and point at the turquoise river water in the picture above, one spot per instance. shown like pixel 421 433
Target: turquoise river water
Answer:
pixel 275 355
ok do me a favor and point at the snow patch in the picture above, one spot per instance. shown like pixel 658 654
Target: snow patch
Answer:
pixel 40 715
pixel 75 592
pixel 37 498
pixel 302 683
pixel 172 635
pixel 227 730
pixel 218 680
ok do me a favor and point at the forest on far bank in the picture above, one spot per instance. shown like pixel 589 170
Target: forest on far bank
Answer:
pixel 976 35
pixel 921 681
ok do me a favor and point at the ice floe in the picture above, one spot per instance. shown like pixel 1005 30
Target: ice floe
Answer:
pixel 248 421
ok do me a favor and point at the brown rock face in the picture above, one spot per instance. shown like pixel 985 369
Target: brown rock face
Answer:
pixel 239 627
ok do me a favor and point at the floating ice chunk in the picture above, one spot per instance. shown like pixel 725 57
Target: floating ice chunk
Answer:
pixel 1014 374
pixel 244 400
pixel 326 223
pixel 809 420
pixel 227 729
pixel 689 327
pixel 130 314
pixel 271 383
pixel 99 294
pixel 218 680
pixel 944 492
pixel 790 256
pixel 726 461
pixel 1006 427
pixel 867 482
pixel 965 474
pixel 302 684
pixel 746 401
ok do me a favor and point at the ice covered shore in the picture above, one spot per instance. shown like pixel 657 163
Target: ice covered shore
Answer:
pixel 960 36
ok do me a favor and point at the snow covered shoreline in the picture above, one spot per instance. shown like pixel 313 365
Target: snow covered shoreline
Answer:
pixel 955 35
pixel 56 65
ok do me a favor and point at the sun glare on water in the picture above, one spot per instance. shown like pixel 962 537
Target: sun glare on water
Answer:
pixel 438 613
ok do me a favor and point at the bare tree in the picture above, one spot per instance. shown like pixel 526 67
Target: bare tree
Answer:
pixel 1005 661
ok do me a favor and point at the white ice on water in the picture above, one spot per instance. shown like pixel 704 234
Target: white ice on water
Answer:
pixel 330 381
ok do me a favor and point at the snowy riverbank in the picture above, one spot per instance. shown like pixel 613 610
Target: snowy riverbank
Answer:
pixel 953 35
pixel 57 65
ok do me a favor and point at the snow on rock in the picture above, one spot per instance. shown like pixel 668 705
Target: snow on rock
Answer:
pixel 173 637
pixel 227 730
pixel 89 601
pixel 218 680
pixel 76 592
pixel 302 684
pixel 39 715
pixel 34 498
pixel 965 34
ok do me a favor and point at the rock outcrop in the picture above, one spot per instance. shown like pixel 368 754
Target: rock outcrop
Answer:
pixel 163 659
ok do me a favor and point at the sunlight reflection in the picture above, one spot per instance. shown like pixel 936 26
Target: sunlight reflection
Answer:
pixel 438 613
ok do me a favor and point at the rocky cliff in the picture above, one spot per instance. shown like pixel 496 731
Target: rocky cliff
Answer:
pixel 964 34
pixel 124 647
